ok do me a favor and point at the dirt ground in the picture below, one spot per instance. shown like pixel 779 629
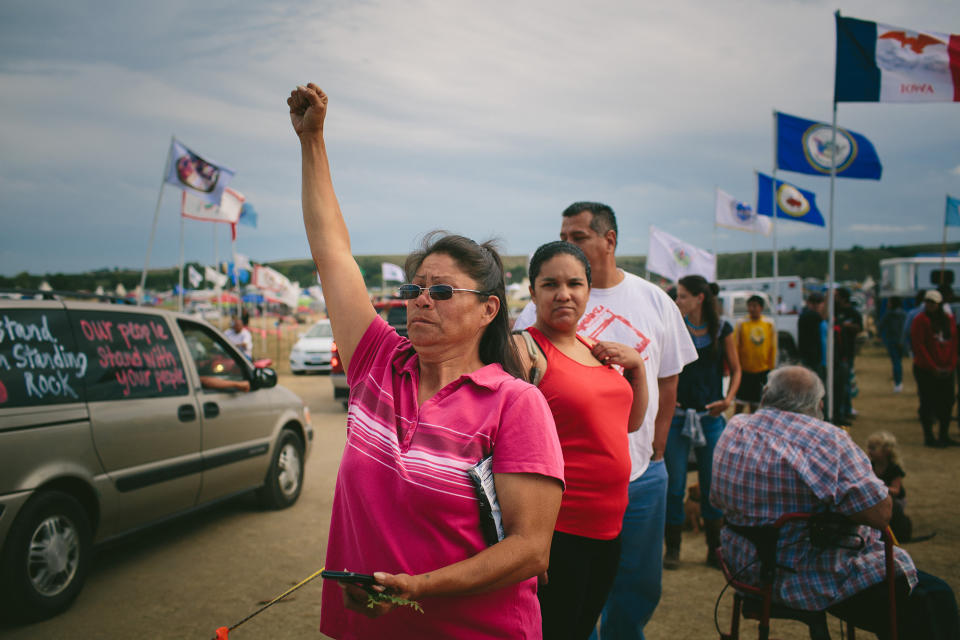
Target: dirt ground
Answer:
pixel 933 493
pixel 188 577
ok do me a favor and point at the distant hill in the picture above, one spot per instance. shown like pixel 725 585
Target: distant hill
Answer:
pixel 855 263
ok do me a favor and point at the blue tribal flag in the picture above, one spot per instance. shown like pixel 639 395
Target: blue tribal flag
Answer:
pixel 952 218
pixel 792 203
pixel 248 215
pixel 805 146
pixel 196 176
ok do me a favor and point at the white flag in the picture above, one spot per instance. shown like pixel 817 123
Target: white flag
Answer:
pixel 290 295
pixel 269 279
pixel 218 279
pixel 392 273
pixel 738 215
pixel 194 276
pixel 243 262
pixel 673 259
pixel 227 211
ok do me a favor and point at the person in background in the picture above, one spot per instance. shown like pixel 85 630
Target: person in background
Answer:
pixel 891 332
pixel 848 324
pixel 627 309
pixel 698 421
pixel 884 454
pixel 756 347
pixel 594 406
pixel 809 332
pixel 239 335
pixel 425 410
pixel 933 335
pixel 786 459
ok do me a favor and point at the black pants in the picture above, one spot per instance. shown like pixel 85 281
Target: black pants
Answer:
pixel 580 576
pixel 936 399
pixel 927 613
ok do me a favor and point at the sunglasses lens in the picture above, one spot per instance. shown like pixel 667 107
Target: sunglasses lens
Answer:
pixel 441 292
pixel 409 291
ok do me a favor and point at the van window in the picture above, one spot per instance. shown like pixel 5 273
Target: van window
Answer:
pixel 39 360
pixel 129 355
pixel 211 355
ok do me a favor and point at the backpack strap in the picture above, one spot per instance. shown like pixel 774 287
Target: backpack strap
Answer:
pixel 535 375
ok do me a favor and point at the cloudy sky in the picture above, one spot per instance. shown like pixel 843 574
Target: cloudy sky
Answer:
pixel 484 118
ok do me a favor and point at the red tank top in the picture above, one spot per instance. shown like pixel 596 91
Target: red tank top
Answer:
pixel 591 406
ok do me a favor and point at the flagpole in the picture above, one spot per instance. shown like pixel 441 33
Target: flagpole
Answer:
pixel 943 252
pixel 831 272
pixel 180 295
pixel 153 229
pixel 753 257
pixel 776 258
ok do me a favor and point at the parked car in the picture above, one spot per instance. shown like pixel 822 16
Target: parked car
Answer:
pixel 395 313
pixel 312 352
pixel 339 379
pixel 115 417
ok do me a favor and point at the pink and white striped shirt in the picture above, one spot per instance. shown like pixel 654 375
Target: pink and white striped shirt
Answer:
pixel 404 502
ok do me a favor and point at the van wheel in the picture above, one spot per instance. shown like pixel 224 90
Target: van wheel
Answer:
pixel 285 478
pixel 47 556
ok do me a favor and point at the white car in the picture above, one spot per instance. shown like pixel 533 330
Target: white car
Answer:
pixel 313 350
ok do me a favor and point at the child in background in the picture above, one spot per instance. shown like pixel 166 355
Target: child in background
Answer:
pixel 885 458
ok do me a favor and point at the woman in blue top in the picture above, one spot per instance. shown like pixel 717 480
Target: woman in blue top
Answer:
pixel 699 418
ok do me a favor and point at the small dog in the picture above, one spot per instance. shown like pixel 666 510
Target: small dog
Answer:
pixel 693 521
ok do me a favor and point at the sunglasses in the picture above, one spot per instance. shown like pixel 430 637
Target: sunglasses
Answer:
pixel 436 292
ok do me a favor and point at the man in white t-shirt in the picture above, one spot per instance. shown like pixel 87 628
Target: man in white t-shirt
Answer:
pixel 239 335
pixel 626 308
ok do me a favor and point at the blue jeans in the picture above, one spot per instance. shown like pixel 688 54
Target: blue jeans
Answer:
pixel 636 589
pixel 676 456
pixel 896 358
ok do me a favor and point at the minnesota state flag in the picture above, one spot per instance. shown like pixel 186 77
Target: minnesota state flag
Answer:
pixel 881 63
pixel 792 202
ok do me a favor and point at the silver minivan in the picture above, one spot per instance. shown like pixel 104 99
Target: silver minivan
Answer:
pixel 113 417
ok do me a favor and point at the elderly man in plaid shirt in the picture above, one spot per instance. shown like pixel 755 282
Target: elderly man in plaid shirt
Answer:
pixel 784 459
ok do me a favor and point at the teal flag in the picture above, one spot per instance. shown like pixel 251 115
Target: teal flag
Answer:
pixel 952 218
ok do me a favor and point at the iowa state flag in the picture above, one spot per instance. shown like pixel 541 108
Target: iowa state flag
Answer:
pixel 881 63
pixel 792 203
pixel 806 146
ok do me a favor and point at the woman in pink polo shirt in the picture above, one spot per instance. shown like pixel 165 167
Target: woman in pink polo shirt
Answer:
pixel 423 412
pixel 594 406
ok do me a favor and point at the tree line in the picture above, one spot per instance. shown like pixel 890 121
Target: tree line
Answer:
pixel 855 263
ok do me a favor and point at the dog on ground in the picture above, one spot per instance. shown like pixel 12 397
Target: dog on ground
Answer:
pixel 691 508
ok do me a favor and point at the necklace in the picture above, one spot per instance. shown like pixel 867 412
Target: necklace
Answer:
pixel 693 326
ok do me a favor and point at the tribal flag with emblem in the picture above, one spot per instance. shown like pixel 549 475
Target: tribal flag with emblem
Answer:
pixel 193 174
pixel 733 214
pixel 793 203
pixel 805 146
pixel 673 258
pixel 199 209
pixel 881 63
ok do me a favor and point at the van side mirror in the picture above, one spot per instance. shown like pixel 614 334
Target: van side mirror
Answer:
pixel 263 378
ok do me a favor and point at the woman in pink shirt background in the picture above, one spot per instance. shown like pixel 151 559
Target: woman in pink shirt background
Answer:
pixel 423 411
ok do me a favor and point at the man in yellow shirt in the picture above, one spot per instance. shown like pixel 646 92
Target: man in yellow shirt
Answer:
pixel 757 347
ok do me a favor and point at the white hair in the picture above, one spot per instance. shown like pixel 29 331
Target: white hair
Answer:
pixel 796 389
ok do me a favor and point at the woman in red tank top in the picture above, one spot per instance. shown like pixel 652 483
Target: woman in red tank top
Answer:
pixel 594 406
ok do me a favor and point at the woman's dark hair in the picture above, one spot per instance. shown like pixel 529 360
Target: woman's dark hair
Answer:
pixel 697 285
pixel 551 250
pixel 482 263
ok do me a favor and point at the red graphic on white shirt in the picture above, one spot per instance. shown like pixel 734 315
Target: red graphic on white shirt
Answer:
pixel 600 319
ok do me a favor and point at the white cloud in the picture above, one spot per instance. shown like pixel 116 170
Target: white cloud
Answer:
pixel 886 228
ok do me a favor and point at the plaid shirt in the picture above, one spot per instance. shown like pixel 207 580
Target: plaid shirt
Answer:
pixel 775 462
